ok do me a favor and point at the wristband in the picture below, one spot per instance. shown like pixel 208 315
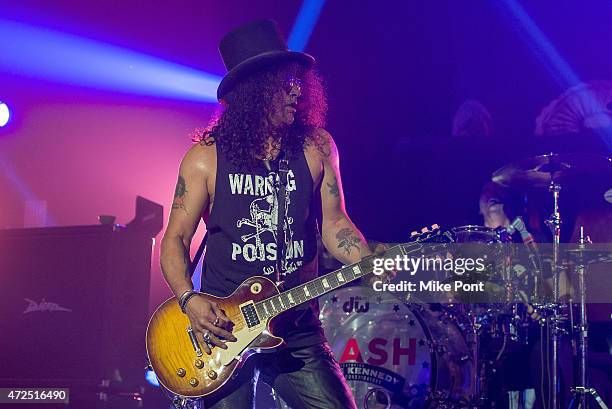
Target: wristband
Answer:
pixel 185 298
pixel 181 299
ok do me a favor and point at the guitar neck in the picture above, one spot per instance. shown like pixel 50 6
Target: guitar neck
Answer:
pixel 303 293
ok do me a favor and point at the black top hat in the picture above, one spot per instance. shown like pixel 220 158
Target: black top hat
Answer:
pixel 251 47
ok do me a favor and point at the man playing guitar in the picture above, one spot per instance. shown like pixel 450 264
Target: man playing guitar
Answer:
pixel 273 111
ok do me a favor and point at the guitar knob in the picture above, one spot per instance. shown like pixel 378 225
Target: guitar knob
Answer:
pixel 193 382
pixel 424 230
pixel 414 233
pixel 181 372
pixel 199 363
pixel 212 374
pixel 435 227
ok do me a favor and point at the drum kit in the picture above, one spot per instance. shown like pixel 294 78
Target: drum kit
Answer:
pixel 406 353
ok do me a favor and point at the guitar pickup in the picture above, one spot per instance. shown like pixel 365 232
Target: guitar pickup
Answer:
pixel 250 315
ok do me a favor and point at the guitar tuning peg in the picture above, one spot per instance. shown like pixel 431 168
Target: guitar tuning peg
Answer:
pixel 414 233
pixel 424 230
pixel 435 226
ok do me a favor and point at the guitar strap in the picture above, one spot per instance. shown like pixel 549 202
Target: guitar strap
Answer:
pixel 283 170
pixel 198 255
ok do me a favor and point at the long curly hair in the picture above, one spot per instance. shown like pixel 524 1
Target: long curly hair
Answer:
pixel 241 128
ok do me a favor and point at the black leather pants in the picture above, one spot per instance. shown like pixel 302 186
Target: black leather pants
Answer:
pixel 306 378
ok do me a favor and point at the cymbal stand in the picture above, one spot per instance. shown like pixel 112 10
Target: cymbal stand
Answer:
pixel 554 224
pixel 479 376
pixel 581 392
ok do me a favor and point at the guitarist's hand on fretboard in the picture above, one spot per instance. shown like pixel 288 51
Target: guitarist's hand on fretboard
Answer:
pixel 209 323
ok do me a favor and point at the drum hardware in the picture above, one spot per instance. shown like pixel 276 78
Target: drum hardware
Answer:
pixel 549 171
pixel 494 325
pixel 554 224
pixel 479 375
pixel 582 392
pixel 472 324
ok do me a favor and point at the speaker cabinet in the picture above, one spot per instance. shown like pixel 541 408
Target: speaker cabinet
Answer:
pixel 73 307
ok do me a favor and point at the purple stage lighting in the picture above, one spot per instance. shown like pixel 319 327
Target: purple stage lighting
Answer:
pixel 5 114
pixel 539 44
pixel 56 56
pixel 305 22
pixel 543 48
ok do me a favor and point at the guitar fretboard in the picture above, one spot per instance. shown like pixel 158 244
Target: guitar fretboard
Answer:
pixel 302 293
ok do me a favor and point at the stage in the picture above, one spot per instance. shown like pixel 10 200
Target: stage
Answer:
pixel 445 170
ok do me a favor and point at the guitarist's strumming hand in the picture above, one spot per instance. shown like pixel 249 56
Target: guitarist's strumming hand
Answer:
pixel 209 323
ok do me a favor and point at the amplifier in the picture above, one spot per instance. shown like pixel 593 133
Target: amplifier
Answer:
pixel 73 306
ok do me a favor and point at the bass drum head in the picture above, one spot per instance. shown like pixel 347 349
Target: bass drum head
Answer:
pixel 396 355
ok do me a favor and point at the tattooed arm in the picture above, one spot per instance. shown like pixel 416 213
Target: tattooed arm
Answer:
pixel 340 236
pixel 190 199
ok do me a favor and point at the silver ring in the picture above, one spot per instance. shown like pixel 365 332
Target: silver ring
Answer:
pixel 216 323
pixel 206 337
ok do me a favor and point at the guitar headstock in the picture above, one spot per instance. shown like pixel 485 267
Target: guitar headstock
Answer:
pixel 431 234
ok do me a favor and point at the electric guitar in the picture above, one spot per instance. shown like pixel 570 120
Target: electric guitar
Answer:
pixel 177 357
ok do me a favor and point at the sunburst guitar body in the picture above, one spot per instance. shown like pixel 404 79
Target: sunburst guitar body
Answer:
pixel 180 363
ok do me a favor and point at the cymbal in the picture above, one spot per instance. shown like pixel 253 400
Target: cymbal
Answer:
pixel 590 255
pixel 540 171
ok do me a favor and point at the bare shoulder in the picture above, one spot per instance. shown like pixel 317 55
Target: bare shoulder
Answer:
pixel 200 159
pixel 322 145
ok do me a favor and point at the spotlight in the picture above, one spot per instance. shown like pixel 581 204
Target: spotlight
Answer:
pixel 5 114
pixel 305 22
pixel 57 56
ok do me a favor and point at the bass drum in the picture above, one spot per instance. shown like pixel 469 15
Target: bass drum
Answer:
pixel 397 355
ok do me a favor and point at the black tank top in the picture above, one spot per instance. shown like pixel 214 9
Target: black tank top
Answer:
pixel 242 239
